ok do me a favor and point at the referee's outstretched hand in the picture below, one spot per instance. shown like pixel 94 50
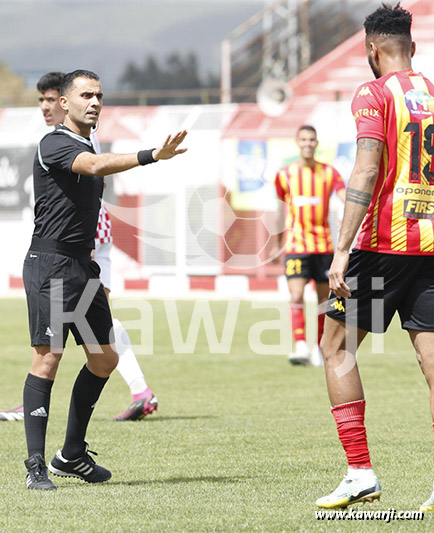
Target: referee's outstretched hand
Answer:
pixel 169 148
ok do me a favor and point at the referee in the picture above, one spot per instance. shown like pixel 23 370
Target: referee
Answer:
pixel 68 183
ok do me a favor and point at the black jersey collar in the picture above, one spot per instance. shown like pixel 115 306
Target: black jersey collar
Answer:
pixel 67 131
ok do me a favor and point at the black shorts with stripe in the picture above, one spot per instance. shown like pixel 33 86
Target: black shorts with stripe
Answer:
pixel 382 284
pixel 56 278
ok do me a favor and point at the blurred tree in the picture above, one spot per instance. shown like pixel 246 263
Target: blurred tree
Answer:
pixel 333 21
pixel 12 89
pixel 174 72
pixel 183 73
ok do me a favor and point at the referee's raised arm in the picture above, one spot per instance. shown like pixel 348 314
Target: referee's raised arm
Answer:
pixel 104 164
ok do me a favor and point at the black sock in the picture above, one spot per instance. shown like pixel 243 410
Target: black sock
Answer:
pixel 85 394
pixel 36 400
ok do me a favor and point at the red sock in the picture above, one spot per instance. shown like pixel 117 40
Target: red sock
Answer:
pixel 350 421
pixel 321 318
pixel 298 323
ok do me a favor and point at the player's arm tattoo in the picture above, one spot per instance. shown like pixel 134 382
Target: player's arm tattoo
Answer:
pixel 358 197
pixel 369 145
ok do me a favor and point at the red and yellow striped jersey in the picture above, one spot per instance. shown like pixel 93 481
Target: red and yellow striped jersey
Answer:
pixel 397 109
pixel 307 190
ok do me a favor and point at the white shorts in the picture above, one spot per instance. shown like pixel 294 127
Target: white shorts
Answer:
pixel 102 257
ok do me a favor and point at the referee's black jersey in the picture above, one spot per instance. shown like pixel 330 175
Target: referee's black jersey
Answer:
pixel 66 204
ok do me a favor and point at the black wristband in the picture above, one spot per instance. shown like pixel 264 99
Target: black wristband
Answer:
pixel 144 157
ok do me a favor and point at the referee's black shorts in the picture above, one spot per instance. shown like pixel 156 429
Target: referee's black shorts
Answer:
pixel 381 284
pixel 47 261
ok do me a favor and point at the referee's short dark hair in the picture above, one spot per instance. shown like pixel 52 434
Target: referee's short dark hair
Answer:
pixel 51 80
pixel 71 76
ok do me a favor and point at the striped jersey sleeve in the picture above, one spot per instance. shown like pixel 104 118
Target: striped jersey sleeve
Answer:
pixel 281 184
pixel 337 181
pixel 368 111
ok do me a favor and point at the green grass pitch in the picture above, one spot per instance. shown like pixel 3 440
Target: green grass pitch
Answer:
pixel 241 442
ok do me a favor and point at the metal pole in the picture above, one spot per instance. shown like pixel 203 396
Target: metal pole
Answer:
pixel 305 35
pixel 267 52
pixel 226 81
pixel 292 39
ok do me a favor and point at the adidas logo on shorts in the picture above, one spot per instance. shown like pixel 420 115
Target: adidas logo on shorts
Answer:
pixel 39 412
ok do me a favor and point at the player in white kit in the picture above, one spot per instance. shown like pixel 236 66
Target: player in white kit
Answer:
pixel 143 401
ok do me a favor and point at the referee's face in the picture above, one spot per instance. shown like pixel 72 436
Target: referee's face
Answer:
pixel 82 103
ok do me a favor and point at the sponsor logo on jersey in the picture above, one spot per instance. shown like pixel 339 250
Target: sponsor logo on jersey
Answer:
pixel 419 190
pixel 300 201
pixel 418 209
pixel 419 103
pixel 364 91
pixel 366 112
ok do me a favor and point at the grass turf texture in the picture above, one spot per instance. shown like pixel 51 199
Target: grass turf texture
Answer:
pixel 241 442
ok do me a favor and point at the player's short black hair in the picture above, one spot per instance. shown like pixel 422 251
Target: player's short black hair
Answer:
pixel 51 80
pixel 71 76
pixel 307 127
pixel 388 20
